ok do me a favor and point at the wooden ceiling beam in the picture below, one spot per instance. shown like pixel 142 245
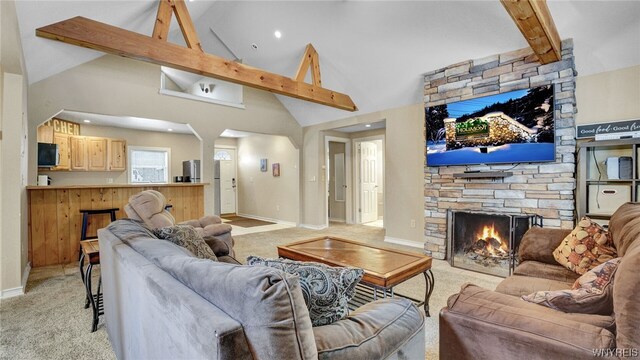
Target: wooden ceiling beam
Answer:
pixel 310 59
pixel 186 25
pixel 92 34
pixel 163 21
pixel 536 24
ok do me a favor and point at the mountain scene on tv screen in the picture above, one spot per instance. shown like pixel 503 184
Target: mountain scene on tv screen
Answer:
pixel 511 127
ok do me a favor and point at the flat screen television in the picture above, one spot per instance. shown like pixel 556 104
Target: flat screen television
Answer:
pixel 512 127
pixel 48 155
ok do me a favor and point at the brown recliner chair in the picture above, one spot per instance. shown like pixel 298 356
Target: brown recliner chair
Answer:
pixel 149 207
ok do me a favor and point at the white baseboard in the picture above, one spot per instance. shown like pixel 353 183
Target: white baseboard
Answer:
pixel 5 294
pixel 313 227
pixel 262 218
pixel 404 242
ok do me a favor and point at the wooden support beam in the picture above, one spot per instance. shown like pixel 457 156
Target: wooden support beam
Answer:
pixel 92 34
pixel 186 25
pixel 536 24
pixel 309 59
pixel 163 20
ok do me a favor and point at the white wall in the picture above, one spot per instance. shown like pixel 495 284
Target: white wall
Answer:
pixel 183 147
pixel 261 194
pixel 403 180
pixel 13 156
pixel 608 96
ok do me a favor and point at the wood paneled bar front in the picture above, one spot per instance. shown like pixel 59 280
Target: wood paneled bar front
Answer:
pixel 55 220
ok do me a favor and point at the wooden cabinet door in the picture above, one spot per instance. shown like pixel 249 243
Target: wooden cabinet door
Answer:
pixel 78 153
pixel 97 149
pixel 62 140
pixel 45 134
pixel 117 155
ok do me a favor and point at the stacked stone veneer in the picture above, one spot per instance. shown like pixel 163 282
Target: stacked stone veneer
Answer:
pixel 546 189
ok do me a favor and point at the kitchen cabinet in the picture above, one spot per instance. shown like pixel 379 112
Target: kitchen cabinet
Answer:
pixel 117 155
pixel 78 153
pixel 97 151
pixel 64 151
pixel 45 134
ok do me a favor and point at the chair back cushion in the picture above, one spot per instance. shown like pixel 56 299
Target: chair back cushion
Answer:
pixel 149 206
pixel 624 226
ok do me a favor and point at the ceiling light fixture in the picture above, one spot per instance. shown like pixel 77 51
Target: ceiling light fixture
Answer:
pixel 367 125
pixel 277 34
pixel 87 121
pixel 169 129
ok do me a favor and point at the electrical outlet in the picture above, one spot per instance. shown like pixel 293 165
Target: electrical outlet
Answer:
pixel 413 223
pixel 109 180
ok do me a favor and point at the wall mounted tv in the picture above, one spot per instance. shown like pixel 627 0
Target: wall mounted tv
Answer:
pixel 511 127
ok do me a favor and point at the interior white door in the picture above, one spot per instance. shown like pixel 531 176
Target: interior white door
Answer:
pixel 368 187
pixel 228 181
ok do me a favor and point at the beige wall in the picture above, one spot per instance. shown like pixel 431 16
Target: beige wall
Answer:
pixel 403 172
pixel 260 193
pixel 13 156
pixel 608 96
pixel 130 88
pixel 183 147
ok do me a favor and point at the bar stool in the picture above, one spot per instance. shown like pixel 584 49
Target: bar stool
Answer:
pixel 89 248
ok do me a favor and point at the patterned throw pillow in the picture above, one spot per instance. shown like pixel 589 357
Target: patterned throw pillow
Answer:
pixel 187 237
pixel 586 247
pixel 592 293
pixel 326 290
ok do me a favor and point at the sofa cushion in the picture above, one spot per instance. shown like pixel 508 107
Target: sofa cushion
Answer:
pixel 625 298
pixel 538 243
pixel 149 206
pixel 520 317
pixel 374 331
pixel 592 293
pixel 546 271
pixel 126 229
pixel 624 226
pixel 586 247
pixel 326 290
pixel 186 237
pixel 517 285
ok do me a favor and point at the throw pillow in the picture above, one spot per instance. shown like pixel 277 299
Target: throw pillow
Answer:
pixel 326 290
pixel 592 293
pixel 586 247
pixel 187 237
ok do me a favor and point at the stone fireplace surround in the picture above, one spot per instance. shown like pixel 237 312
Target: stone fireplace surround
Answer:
pixel 545 189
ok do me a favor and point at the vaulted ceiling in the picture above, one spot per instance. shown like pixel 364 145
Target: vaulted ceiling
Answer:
pixel 373 51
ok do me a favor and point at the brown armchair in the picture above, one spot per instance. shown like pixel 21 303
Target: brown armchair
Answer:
pixel 149 207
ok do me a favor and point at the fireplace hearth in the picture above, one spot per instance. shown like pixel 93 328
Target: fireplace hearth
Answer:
pixel 487 242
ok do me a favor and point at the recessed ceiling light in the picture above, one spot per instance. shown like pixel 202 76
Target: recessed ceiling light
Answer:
pixel 277 34
pixel 87 121
pixel 367 125
pixel 169 129
pixel 254 46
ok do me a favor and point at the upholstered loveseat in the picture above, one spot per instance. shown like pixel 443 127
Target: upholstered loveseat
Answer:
pixel 482 324
pixel 163 303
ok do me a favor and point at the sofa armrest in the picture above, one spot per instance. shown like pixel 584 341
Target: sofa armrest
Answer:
pixel 538 244
pixel 483 324
pixel 374 331
pixel 209 220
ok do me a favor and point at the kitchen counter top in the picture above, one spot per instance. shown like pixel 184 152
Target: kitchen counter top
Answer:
pixel 106 186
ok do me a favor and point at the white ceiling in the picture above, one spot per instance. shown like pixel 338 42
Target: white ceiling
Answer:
pixel 128 122
pixel 373 51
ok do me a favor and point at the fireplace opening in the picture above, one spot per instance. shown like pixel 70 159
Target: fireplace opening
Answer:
pixel 485 242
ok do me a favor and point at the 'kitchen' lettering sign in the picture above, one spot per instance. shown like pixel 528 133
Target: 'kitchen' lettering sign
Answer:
pixel 63 126
pixel 618 127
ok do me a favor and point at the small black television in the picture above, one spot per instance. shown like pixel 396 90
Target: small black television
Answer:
pixel 48 155
pixel 511 127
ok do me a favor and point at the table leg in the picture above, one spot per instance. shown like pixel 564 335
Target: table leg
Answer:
pixel 430 282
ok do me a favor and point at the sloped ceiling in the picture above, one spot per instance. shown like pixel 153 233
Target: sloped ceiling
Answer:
pixel 373 51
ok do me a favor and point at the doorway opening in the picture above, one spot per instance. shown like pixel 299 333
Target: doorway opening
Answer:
pixel 337 182
pixel 224 181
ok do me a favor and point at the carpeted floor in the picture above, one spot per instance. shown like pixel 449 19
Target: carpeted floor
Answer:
pixel 49 321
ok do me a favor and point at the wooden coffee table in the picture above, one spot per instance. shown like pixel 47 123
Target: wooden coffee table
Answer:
pixel 383 268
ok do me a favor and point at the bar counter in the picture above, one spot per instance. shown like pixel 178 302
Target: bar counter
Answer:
pixel 55 220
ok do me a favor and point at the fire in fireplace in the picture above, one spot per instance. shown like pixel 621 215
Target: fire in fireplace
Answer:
pixel 486 242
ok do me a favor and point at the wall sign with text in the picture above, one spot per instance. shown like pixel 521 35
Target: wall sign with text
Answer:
pixel 63 126
pixel 617 127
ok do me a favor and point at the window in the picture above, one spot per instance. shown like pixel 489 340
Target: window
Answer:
pixel 149 164
pixel 222 155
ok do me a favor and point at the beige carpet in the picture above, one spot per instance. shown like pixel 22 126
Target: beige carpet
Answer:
pixel 49 321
